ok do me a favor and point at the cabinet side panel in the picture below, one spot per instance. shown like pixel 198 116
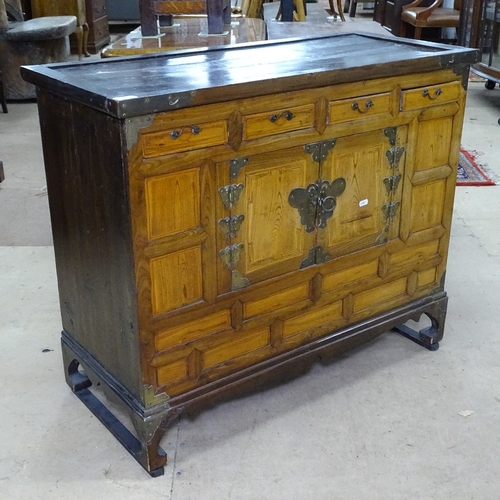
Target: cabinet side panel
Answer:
pixel 89 209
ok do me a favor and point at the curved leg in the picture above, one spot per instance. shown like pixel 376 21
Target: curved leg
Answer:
pixel 85 40
pixel 79 39
pixel 341 11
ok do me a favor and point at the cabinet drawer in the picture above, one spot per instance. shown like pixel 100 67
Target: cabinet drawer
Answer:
pixel 100 30
pixel 357 108
pixel 424 97
pixel 278 121
pixel 184 138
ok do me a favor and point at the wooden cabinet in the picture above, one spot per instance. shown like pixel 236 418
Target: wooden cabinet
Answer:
pixel 388 14
pixel 217 232
pixel 97 19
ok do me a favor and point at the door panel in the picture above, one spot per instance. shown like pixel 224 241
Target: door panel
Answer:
pixel 273 240
pixel 360 220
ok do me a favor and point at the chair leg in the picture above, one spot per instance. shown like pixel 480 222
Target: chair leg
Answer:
pixel 341 10
pixel 418 33
pixel 2 96
pixel 352 8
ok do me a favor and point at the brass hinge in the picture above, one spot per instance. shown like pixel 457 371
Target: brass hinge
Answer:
pixel 394 155
pixel 231 254
pixel 317 255
pixel 391 183
pixel 230 194
pixel 389 210
pixel 319 150
pixel 316 202
pixel 390 133
pixel 231 225
pixel 238 281
pixel 235 166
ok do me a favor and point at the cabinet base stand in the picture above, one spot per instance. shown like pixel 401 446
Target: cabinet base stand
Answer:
pixel 151 424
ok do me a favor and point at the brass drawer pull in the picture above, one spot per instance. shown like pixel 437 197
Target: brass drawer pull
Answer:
pixel 195 130
pixel 368 105
pixel 426 93
pixel 287 114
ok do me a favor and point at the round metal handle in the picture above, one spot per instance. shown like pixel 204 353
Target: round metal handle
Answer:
pixel 328 203
pixel 368 105
pixel 426 93
pixel 195 130
pixel 287 114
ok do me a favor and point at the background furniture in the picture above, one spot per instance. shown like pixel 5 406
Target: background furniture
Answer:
pixel 218 13
pixel 388 14
pixel 197 252
pixel 2 95
pixel 97 20
pixel 36 41
pixel 188 32
pixel 351 5
pixel 433 16
pixel 480 28
pixel 42 8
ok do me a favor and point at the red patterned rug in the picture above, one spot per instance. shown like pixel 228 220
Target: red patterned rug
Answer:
pixel 470 172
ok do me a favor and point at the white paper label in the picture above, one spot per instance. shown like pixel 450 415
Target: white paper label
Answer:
pixel 363 203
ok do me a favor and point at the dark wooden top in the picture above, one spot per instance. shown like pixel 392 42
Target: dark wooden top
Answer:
pixel 133 86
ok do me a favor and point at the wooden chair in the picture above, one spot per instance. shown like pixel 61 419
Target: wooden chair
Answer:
pixel 218 13
pixel 433 16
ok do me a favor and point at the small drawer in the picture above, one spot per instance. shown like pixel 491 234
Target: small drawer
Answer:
pixel 278 121
pixel 424 97
pixel 357 108
pixel 184 138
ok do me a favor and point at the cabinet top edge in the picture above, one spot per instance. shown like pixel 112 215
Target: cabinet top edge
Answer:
pixel 125 87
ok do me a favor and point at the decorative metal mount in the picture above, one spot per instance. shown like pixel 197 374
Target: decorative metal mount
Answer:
pixel 316 202
pixel 390 133
pixel 231 254
pixel 391 183
pixel 389 210
pixel 230 194
pixel 238 281
pixel 319 150
pixel 231 225
pixel 235 166
pixel 317 255
pixel 394 155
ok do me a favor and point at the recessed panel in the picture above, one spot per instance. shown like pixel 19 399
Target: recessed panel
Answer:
pixel 272 225
pixel 176 280
pixel 427 205
pixel 243 343
pixel 433 146
pixel 173 203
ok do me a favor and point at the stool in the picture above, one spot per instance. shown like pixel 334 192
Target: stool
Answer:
pixel 37 41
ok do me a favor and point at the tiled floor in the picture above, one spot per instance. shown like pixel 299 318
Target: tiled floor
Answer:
pixel 384 422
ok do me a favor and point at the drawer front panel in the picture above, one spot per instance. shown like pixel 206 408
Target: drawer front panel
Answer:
pixel 278 121
pixel 185 138
pixel 424 97
pixel 100 30
pixel 193 330
pixel 359 108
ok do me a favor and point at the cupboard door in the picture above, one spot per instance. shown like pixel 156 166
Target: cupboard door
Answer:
pixel 271 240
pixel 367 212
